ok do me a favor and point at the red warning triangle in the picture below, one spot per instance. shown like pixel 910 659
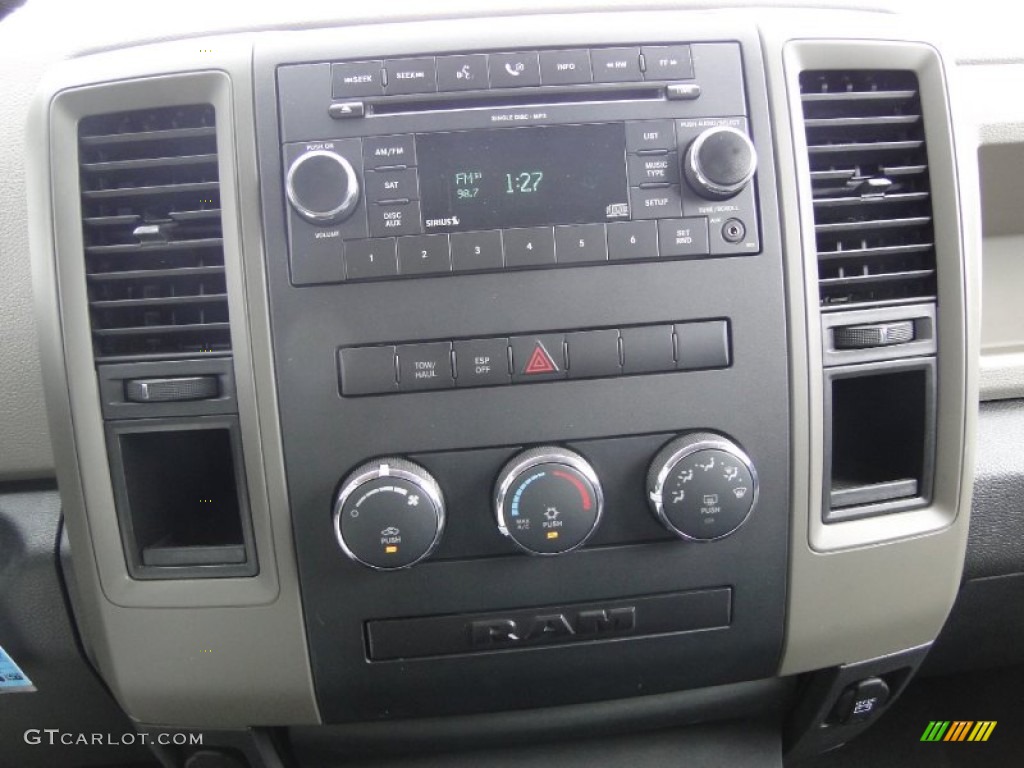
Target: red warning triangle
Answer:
pixel 540 362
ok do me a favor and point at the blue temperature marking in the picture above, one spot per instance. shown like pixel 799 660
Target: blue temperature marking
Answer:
pixel 519 492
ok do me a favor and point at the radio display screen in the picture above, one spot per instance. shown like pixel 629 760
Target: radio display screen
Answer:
pixel 522 177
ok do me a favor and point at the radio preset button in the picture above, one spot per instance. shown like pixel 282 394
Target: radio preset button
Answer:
pixel 565 67
pixel 683 237
pixel 369 259
pixel 384 151
pixel 462 73
pixel 645 135
pixel 425 366
pixel 658 203
pixel 392 184
pixel 394 219
pixel 648 349
pixel 581 244
pixel 616 65
pixel 593 354
pixel 514 70
pixel 367 370
pixel 423 255
pixel 361 78
pixel 653 169
pixel 529 247
pixel 632 240
pixel 476 251
pixel 481 362
pixel 669 62
pixel 537 358
pixel 410 76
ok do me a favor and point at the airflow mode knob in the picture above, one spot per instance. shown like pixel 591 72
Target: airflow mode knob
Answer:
pixel 702 486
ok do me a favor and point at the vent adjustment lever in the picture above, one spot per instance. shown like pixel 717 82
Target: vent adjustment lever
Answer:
pixel 873 335
pixel 171 390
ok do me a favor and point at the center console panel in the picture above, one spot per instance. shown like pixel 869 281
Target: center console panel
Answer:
pixel 538 290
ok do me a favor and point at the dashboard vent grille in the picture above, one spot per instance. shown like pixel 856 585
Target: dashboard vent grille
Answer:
pixel 870 184
pixel 152 233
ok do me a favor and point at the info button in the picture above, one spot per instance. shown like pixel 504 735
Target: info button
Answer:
pixel 481 362
pixel 565 67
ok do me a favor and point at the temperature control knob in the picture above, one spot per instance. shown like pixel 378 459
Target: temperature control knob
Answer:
pixel 702 486
pixel 322 187
pixel 548 500
pixel 720 162
pixel 389 514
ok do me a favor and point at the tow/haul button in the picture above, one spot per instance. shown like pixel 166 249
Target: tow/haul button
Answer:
pixel 389 514
pixel 548 501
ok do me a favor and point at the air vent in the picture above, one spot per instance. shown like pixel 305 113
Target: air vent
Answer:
pixel 870 183
pixel 151 226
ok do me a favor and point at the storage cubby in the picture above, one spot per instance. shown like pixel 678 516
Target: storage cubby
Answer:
pixel 880 439
pixel 181 501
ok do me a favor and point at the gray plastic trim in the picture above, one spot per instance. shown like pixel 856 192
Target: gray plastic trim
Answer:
pixel 146 637
pixel 866 588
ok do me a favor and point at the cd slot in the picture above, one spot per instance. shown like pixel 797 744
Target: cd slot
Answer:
pixel 521 98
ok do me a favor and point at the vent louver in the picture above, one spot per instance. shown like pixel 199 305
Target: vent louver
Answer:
pixel 870 184
pixel 151 224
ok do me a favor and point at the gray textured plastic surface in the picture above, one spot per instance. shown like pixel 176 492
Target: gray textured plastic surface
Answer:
pixel 325 435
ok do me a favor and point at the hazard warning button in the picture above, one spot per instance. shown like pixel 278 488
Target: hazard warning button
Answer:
pixel 538 358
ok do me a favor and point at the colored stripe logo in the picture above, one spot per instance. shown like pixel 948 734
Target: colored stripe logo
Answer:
pixel 958 730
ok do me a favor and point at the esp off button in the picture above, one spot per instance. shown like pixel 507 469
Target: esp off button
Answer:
pixel 481 362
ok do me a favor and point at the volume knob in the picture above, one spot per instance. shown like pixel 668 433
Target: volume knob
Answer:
pixel 720 162
pixel 322 187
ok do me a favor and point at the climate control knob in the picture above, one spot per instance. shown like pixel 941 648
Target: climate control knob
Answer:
pixel 548 501
pixel 389 514
pixel 322 187
pixel 702 486
pixel 720 162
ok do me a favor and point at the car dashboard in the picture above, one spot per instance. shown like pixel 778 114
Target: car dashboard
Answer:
pixel 497 378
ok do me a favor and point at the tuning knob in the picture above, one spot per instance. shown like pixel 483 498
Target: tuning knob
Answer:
pixel 548 500
pixel 389 514
pixel 322 187
pixel 720 162
pixel 702 486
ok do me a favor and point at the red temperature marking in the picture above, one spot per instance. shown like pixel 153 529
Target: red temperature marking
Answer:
pixel 579 487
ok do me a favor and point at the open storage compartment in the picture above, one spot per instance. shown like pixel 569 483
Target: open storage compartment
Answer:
pixel 880 440
pixel 179 486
